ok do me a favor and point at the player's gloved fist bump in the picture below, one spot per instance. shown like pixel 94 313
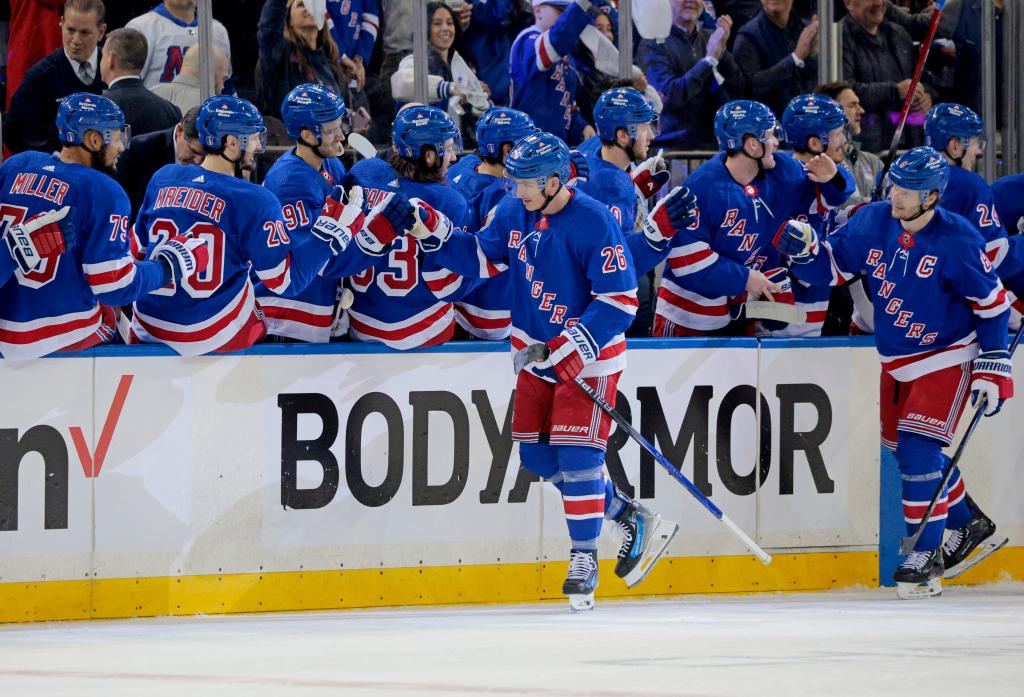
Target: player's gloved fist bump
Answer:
pixel 569 353
pixel 339 221
pixel 183 256
pixel 390 217
pixel 432 227
pixel 992 378
pixel 797 240
pixel 579 170
pixel 676 211
pixel 650 175
pixel 38 238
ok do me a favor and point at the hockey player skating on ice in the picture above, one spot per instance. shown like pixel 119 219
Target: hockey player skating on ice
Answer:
pixel 574 289
pixel 940 316
pixel 814 125
pixel 304 180
pixel 67 300
pixel 744 194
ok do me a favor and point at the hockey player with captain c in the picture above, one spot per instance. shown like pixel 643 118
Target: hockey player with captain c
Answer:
pixel 940 315
pixel 744 194
pixel 573 289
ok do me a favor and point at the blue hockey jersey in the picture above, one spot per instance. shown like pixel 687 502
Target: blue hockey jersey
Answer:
pixel 709 262
pixel 465 164
pixel 970 196
pixel 354 26
pixel 567 268
pixel 590 147
pixel 58 305
pixel 485 311
pixel 1008 193
pixel 244 226
pixel 395 301
pixel 307 314
pixel 936 296
pixel 544 75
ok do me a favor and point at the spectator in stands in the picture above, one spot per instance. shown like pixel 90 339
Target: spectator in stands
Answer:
pixel 965 18
pixel 293 51
pixel 866 166
pixel 777 52
pixel 183 92
pixel 170 28
pixel 740 11
pixel 356 23
pixel 488 42
pixel 878 61
pixel 396 42
pixel 450 79
pixel 73 68
pixel 123 57
pixel 34 32
pixel 544 76
pixel 694 75
pixel 177 145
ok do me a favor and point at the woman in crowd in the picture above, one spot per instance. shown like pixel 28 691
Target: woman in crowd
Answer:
pixel 293 51
pixel 451 81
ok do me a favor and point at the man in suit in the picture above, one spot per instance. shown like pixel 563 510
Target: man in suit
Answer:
pixel 123 57
pixel 177 145
pixel 31 121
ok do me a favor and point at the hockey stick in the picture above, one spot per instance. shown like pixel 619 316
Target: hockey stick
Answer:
pixel 907 543
pixel 362 146
pixel 539 352
pixel 780 312
pixel 914 80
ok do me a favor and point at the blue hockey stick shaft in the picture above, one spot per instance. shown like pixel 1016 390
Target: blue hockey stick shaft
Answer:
pixel 714 510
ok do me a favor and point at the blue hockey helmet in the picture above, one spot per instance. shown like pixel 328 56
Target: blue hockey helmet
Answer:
pixel 418 127
pixel 623 107
pixel 811 115
pixel 310 106
pixel 945 121
pixel 539 156
pixel 744 117
pixel 223 116
pixel 500 125
pixel 923 169
pixel 82 111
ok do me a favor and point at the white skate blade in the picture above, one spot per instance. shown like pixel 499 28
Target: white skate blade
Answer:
pixel 661 535
pixel 981 551
pixel 581 603
pixel 916 591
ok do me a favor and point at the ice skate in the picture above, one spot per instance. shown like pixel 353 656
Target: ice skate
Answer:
pixel 920 575
pixel 970 544
pixel 582 580
pixel 645 535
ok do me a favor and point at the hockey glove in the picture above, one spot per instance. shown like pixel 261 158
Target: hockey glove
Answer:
pixel 338 221
pixel 676 211
pixel 781 310
pixel 579 170
pixel 183 256
pixel 41 237
pixel 650 175
pixel 992 380
pixel 391 217
pixel 432 228
pixel 797 240
pixel 570 352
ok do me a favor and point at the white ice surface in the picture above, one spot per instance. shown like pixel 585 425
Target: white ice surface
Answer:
pixel 967 643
